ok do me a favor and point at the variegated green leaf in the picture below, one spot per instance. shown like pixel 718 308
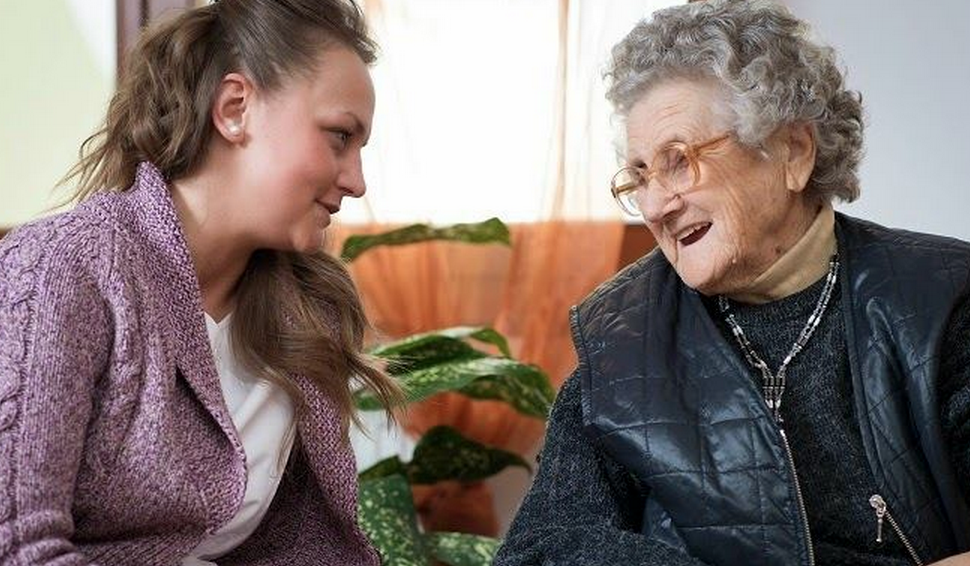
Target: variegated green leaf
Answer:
pixel 384 468
pixel 491 231
pixel 460 549
pixel 456 376
pixel 423 351
pixel 419 341
pixel 444 454
pixel 525 387
pixel 423 383
pixel 480 333
pixel 386 513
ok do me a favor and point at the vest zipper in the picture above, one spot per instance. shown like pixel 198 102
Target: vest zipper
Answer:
pixel 798 492
pixel 882 512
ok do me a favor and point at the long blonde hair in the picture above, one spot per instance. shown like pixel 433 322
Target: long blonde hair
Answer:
pixel 295 313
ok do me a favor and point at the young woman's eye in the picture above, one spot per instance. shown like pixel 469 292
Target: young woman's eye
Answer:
pixel 342 137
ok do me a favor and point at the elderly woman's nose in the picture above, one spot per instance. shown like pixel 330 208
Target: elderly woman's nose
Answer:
pixel 658 204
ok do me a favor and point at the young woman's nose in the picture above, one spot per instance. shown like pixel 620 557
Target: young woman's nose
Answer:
pixel 351 178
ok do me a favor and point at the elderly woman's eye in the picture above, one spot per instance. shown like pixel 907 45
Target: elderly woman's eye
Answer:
pixel 673 169
pixel 671 160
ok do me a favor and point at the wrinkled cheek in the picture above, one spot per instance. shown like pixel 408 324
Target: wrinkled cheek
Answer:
pixel 667 245
pixel 736 224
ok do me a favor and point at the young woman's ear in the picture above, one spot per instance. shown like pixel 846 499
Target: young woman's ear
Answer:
pixel 229 107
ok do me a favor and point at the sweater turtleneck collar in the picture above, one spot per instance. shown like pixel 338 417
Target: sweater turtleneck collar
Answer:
pixel 805 263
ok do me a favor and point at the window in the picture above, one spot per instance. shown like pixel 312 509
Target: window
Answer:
pixel 492 108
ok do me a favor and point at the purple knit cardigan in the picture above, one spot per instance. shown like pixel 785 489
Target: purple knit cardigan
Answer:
pixel 116 446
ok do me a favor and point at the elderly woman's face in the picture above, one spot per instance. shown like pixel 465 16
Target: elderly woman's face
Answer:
pixel 745 210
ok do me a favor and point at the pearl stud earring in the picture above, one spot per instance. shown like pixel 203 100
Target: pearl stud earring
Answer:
pixel 234 129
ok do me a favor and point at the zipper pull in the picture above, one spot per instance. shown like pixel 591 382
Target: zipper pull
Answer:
pixel 879 504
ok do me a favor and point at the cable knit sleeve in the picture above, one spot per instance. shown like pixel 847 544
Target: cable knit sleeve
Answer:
pixel 955 390
pixel 54 344
pixel 583 508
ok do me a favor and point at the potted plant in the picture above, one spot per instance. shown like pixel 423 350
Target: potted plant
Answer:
pixel 445 360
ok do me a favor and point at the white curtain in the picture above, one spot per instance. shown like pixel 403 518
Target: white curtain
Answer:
pixel 489 108
pixel 492 108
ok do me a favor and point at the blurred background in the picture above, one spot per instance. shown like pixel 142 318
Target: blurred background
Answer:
pixel 495 108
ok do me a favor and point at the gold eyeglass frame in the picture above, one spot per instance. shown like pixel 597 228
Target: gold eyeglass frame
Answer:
pixel 692 152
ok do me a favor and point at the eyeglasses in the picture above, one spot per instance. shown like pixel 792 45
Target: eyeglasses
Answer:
pixel 675 169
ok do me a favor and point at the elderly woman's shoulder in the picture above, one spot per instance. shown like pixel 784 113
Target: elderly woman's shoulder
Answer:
pixel 916 263
pixel 871 232
pixel 634 282
pixel 866 239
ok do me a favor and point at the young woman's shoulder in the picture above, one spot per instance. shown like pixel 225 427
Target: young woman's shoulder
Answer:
pixel 68 247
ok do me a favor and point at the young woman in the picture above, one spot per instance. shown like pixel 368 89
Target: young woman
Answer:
pixel 176 352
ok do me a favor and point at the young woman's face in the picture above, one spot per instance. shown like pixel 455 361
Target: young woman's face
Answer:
pixel 302 152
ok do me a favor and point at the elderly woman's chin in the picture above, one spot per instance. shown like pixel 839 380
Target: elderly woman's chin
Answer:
pixel 706 278
pixel 704 265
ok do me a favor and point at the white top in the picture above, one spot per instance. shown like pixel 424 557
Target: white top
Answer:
pixel 262 413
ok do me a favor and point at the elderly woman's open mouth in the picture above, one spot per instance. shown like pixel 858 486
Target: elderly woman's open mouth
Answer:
pixel 692 234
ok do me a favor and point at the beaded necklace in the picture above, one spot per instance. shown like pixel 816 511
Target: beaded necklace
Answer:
pixel 773 385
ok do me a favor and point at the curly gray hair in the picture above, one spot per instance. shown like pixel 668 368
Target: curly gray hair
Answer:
pixel 773 74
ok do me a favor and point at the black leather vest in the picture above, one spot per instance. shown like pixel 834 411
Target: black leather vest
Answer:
pixel 666 396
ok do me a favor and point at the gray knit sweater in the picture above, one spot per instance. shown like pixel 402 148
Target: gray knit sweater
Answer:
pixel 584 508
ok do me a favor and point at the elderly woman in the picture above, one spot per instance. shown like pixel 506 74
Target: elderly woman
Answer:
pixel 781 384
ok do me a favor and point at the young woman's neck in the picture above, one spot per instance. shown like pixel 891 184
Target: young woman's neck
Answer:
pixel 219 253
